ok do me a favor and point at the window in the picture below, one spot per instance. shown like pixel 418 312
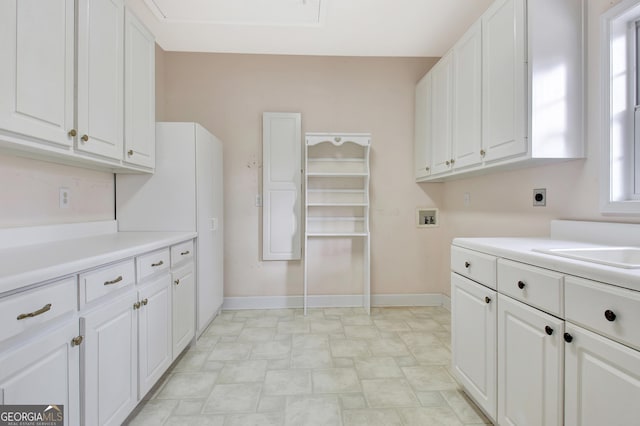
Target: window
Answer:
pixel 620 191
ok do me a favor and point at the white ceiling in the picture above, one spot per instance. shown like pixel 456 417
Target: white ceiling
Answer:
pixel 309 27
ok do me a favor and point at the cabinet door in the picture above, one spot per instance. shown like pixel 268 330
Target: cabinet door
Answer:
pixel 139 88
pixel 530 367
pixel 154 332
pixel 109 361
pixel 503 80
pixel 37 74
pixel 183 308
pixel 422 130
pixel 467 100
pixel 100 77
pixel 44 371
pixel 602 381
pixel 442 115
pixel 473 340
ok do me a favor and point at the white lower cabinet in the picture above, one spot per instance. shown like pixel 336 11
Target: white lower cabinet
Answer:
pixel 602 380
pixel 183 300
pixel 44 371
pixel 109 361
pixel 530 367
pixel 154 332
pixel 473 340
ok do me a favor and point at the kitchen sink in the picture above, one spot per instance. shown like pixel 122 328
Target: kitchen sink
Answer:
pixel 620 257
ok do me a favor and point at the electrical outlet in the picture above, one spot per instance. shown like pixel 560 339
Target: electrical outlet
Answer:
pixel 540 197
pixel 65 198
pixel 258 200
pixel 467 199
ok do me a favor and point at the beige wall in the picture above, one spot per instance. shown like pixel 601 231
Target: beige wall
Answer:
pixel 29 193
pixel 228 93
pixel 501 203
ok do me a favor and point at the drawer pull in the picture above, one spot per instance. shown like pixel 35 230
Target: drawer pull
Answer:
pixel 467 264
pixel 157 264
pixel 548 330
pixel 184 253
pixel 177 282
pixel 610 315
pixel 487 299
pixel 76 341
pixel 568 338
pixel 521 284
pixel 40 311
pixel 145 301
pixel 115 281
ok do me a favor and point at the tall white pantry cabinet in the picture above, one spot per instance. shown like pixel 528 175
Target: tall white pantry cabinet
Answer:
pixel 184 194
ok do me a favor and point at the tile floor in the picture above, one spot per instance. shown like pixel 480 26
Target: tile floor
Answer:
pixel 336 366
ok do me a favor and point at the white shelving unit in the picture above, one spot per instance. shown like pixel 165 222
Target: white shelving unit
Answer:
pixel 337 195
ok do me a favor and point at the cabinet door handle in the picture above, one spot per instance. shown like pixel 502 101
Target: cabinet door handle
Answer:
pixel 130 153
pixel 145 301
pixel 40 311
pixel 177 282
pixel 548 330
pixel 184 253
pixel 136 305
pixel 467 264
pixel 521 285
pixel 610 315
pixel 447 162
pixel 76 341
pixel 487 299
pixel 482 153
pixel 85 138
pixel 157 264
pixel 568 338
pixel 426 169
pixel 72 133
pixel 115 281
pixel 453 161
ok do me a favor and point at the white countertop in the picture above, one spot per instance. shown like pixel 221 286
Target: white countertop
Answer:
pixel 521 250
pixel 31 264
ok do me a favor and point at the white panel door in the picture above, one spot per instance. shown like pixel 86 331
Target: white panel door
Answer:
pixel 281 185
pixel 44 371
pixel 183 308
pixel 140 89
pixel 467 99
pixel 503 80
pixel 473 340
pixel 37 72
pixel 100 77
pixel 154 332
pixel 602 380
pixel 530 365
pixel 442 115
pixel 422 127
pixel 109 361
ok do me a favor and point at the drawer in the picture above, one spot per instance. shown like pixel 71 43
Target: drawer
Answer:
pixel 106 280
pixel 472 264
pixel 181 252
pixel 26 310
pixel 534 286
pixel 152 263
pixel 605 309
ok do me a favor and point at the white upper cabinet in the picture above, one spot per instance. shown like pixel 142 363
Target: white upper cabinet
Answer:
pixel 140 100
pixel 442 114
pixel 100 77
pixel 422 128
pixel 467 99
pixel 62 86
pixel 37 74
pixel 517 84
pixel 503 80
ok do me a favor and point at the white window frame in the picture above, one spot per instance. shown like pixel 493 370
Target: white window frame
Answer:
pixel 620 177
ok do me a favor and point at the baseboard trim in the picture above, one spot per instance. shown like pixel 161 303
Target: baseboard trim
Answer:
pixel 335 301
